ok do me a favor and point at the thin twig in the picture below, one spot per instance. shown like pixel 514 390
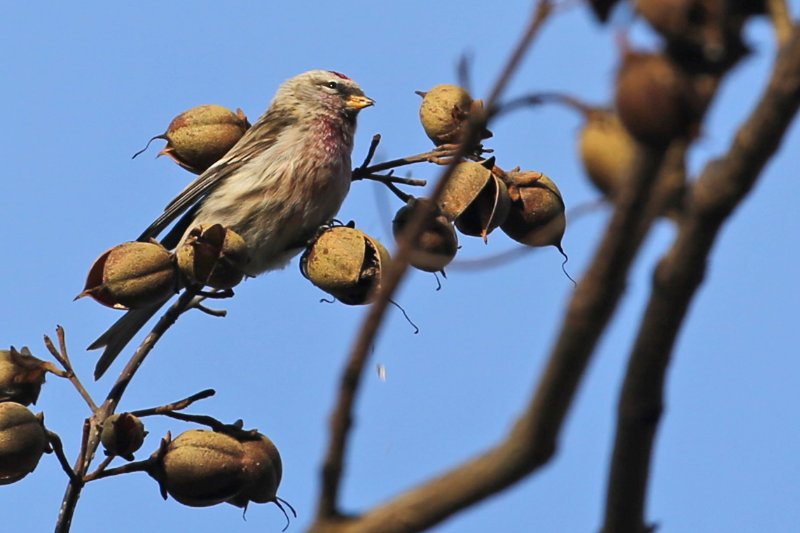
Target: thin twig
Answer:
pixel 441 155
pixel 62 356
pixel 58 450
pixel 721 187
pixel 101 467
pixel 92 426
pixel 341 418
pixel 175 406
pixel 145 465
pixel 390 179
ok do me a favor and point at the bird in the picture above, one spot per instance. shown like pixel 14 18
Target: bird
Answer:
pixel 287 176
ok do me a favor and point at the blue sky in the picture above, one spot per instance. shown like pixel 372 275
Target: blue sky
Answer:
pixel 85 86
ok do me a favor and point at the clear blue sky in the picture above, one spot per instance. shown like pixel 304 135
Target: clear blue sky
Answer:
pixel 86 84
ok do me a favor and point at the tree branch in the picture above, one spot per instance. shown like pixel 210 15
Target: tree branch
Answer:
pixel 341 418
pixel 722 186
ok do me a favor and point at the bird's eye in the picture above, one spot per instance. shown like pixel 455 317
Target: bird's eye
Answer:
pixel 332 85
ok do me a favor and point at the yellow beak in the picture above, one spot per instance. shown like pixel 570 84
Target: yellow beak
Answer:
pixel 358 102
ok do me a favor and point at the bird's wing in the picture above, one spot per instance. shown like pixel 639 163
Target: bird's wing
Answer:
pixel 260 137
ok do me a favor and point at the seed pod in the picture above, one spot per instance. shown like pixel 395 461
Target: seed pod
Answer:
pixel 122 435
pixel 131 275
pixel 213 256
pixel 606 150
pixel 445 111
pixel 261 472
pixel 21 376
pixel 202 468
pixel 653 98
pixel 346 263
pixel 199 137
pixel 475 199
pixel 537 210
pixel 437 244
pixel 22 442
pixel 706 30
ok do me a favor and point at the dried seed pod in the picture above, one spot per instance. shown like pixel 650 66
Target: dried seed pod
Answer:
pixel 22 442
pixel 437 244
pixel 122 435
pixel 606 150
pixel 131 275
pixel 537 210
pixel 707 30
pixel 261 472
pixel 21 376
pixel 199 137
pixel 202 468
pixel 346 263
pixel 475 199
pixel 653 98
pixel 213 256
pixel 444 113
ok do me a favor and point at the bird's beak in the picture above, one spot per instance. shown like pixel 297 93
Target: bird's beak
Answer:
pixel 356 102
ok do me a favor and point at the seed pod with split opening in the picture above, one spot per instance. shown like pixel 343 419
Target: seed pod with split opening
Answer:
pixel 214 256
pixel 131 275
pixel 475 199
pixel 346 263
pixel 202 468
pixel 606 150
pixel 261 472
pixel 537 210
pixel 21 376
pixel 653 98
pixel 199 137
pixel 122 435
pixel 437 244
pixel 22 442
pixel 445 111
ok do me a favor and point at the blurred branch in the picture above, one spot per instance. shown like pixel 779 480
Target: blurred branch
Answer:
pixel 721 187
pixel 781 20
pixel 341 418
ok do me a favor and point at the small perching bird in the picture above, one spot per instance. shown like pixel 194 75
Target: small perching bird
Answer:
pixel 284 178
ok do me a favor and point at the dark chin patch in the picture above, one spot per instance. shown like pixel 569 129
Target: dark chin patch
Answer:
pixel 339 75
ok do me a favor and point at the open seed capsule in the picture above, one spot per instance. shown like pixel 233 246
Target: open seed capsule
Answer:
pixel 437 244
pixel 346 263
pixel 537 214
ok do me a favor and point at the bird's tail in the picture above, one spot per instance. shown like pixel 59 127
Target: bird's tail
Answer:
pixel 120 334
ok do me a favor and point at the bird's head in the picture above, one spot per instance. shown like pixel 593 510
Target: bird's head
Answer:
pixel 323 92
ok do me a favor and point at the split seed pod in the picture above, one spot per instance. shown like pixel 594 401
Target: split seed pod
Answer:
pixel 22 442
pixel 199 137
pixel 445 111
pixel 131 275
pixel 475 199
pixel 261 472
pixel 214 256
pixel 122 435
pixel 606 150
pixel 437 244
pixel 653 98
pixel 537 210
pixel 21 376
pixel 346 263
pixel 202 468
